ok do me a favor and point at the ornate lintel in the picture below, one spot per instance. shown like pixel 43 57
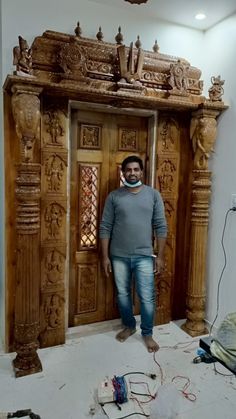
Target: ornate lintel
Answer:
pixel 26 112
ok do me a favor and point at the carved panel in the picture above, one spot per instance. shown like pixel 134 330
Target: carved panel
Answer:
pixel 167 175
pixel 86 288
pixel 169 256
pixel 168 149
pixel 72 59
pixel 90 136
pixel 169 135
pixel 54 173
pixel 52 319
pixel 170 212
pixel 53 311
pixel 89 181
pixel 54 122
pixel 53 269
pixel 54 155
pixel 163 300
pixel 54 222
pixel 128 139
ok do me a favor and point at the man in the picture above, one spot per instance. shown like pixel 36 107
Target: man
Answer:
pixel 130 217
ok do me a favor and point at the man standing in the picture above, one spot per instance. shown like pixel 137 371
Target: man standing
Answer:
pixel 130 217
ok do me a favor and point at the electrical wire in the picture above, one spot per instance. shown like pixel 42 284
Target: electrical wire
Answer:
pixel 223 269
pixel 132 414
pixel 221 373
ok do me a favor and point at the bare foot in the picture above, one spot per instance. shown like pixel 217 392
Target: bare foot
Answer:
pixel 151 344
pixel 125 334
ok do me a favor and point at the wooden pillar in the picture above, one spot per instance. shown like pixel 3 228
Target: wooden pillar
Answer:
pixel 203 135
pixel 26 112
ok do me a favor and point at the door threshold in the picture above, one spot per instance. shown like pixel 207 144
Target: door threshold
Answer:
pixel 95 328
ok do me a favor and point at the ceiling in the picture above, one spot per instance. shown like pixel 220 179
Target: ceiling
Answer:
pixel 181 12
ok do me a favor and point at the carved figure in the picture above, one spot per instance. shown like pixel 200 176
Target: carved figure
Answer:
pixel 130 71
pixel 55 128
pixel 167 179
pixel 178 76
pixel 168 135
pixel 54 267
pixel 22 57
pixel 203 134
pixel 53 311
pixel 216 90
pixel 54 170
pixel 53 218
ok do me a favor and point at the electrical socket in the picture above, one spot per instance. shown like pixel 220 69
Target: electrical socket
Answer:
pixel 233 200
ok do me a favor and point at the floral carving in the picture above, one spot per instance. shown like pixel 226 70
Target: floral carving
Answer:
pixel 178 78
pixel 87 288
pixel 72 59
pixel 90 136
pixel 128 139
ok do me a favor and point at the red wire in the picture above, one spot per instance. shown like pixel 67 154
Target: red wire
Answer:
pixel 190 396
pixel 162 375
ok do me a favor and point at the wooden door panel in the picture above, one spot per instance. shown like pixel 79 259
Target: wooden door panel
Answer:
pixel 100 142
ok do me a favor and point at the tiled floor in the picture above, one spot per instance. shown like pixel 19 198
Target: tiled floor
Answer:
pixel 66 389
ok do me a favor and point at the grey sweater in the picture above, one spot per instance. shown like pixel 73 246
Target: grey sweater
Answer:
pixel 129 221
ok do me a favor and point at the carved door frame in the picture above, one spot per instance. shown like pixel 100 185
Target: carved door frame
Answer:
pixel 59 70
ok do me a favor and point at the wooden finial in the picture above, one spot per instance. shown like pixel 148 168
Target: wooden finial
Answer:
pixel 138 42
pixel 78 30
pixel 119 37
pixel 99 34
pixel 156 47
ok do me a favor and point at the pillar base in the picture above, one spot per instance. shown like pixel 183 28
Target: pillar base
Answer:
pixel 25 366
pixel 196 329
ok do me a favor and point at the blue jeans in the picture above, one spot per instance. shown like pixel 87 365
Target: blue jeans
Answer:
pixel 141 268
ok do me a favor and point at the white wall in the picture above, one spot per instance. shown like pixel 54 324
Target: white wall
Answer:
pixel 219 44
pixel 31 18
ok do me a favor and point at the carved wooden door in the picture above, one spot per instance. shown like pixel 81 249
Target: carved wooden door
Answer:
pixel 100 142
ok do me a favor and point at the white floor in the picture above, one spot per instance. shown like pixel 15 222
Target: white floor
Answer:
pixel 66 389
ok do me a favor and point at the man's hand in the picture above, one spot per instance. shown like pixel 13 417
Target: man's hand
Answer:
pixel 159 265
pixel 106 264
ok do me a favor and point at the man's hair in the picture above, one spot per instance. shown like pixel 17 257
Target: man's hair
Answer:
pixel 131 159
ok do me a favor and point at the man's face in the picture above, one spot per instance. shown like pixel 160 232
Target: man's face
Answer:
pixel 132 172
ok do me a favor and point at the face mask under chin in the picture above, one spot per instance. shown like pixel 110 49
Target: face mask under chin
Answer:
pixel 132 185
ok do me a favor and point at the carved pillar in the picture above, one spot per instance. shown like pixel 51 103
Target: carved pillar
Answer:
pixel 26 112
pixel 203 135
